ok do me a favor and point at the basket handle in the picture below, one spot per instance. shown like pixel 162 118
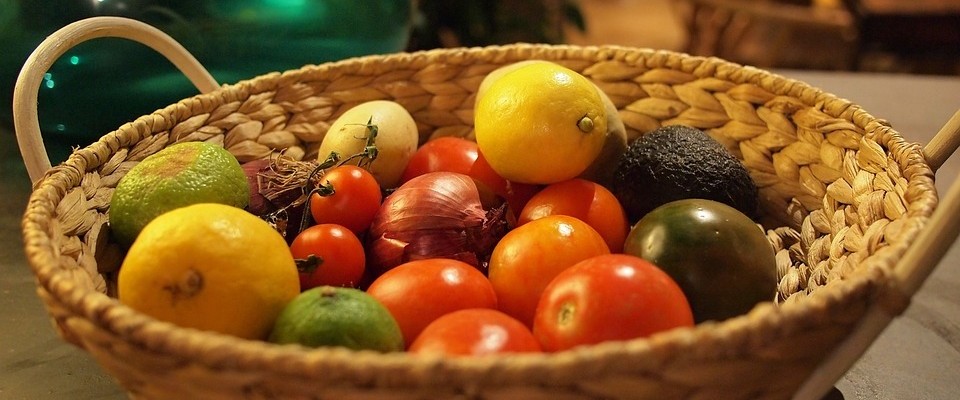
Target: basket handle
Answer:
pixel 25 92
pixel 918 262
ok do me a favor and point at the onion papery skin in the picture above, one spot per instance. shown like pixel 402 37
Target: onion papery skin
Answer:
pixel 266 199
pixel 435 215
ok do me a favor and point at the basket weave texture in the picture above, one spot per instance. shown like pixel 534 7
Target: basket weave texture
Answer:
pixel 842 197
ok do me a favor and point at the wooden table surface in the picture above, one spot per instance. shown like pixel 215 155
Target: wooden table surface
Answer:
pixel 917 356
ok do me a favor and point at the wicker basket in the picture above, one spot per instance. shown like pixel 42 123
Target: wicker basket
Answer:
pixel 843 199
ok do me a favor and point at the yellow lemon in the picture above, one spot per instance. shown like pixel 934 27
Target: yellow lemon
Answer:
pixel 499 72
pixel 211 267
pixel 540 123
pixel 615 143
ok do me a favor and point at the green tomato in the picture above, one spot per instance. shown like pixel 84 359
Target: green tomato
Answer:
pixel 719 257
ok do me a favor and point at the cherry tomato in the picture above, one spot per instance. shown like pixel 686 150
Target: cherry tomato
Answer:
pixel 418 292
pixel 339 256
pixel 475 332
pixel 720 258
pixel 527 258
pixel 355 199
pixel 609 297
pixel 453 154
pixel 585 200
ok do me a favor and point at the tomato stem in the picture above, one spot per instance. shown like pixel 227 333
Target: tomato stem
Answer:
pixel 285 174
pixel 309 264
pixel 567 312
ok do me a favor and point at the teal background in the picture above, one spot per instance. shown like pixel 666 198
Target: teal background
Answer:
pixel 100 84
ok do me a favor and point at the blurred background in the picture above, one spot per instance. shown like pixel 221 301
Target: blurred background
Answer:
pixel 99 85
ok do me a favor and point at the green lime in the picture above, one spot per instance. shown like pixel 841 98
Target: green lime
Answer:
pixel 179 175
pixel 328 316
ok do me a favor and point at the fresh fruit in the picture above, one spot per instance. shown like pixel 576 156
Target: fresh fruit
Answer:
pixel 327 316
pixel 614 144
pixel 212 267
pixel 355 199
pixel 419 292
pixel 448 153
pixel 585 200
pixel 678 162
pixel 527 258
pixel 382 123
pixel 328 254
pixel 719 257
pixel 540 123
pixel 498 73
pixel 453 154
pixel 475 332
pixel 604 166
pixel 608 297
pixel 176 176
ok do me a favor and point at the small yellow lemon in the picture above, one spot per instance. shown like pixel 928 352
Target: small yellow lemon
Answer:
pixel 540 123
pixel 211 267
pixel 496 74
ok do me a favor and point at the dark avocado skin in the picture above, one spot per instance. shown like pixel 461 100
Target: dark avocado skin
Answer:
pixel 677 162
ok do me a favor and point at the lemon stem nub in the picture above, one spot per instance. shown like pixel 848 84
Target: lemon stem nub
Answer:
pixel 585 124
pixel 190 284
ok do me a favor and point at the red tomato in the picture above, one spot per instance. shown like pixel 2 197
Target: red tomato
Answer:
pixel 354 202
pixel 340 256
pixel 585 200
pixel 475 332
pixel 453 154
pixel 610 297
pixel 418 292
pixel 527 258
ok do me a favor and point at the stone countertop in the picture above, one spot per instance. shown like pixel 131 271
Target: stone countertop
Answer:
pixel 916 357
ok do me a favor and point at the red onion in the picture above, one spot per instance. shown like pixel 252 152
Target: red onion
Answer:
pixel 435 215
pixel 259 205
pixel 277 192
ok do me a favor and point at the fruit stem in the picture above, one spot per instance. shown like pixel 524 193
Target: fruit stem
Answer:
pixel 309 264
pixel 190 284
pixel 370 152
pixel 566 314
pixel 585 124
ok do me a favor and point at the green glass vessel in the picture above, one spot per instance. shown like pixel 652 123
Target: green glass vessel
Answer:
pixel 100 84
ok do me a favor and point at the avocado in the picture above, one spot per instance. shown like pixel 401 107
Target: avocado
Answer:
pixel 679 162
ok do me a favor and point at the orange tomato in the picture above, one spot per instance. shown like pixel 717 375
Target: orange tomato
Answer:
pixel 585 200
pixel 527 258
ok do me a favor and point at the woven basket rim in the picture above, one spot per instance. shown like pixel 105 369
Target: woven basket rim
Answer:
pixel 221 351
